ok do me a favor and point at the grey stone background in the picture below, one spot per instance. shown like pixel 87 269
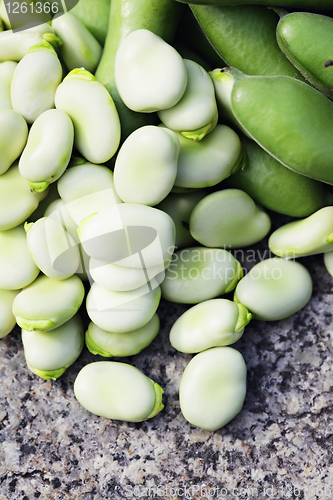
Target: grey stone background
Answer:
pixel 279 446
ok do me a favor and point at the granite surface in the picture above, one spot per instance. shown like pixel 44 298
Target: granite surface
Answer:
pixel 279 446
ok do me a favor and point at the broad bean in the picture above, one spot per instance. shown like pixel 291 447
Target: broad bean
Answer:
pixel 13 137
pixel 7 318
pixel 6 74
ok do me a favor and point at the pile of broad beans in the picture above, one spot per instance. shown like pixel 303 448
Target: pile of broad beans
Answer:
pixel 139 181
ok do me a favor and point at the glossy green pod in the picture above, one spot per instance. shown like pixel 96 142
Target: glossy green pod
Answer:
pixel 79 47
pixel 146 165
pixel 48 303
pixel 118 391
pixel 213 388
pixel 93 113
pixel 17 202
pixel 13 137
pixel 274 289
pixel 307 40
pixel 160 17
pixel 292 121
pixel 180 207
pixel 245 37
pixel 229 219
pixel 274 186
pixel 17 268
pixel 195 115
pixel 150 74
pixel 48 150
pixel 309 236
pixel 49 354
pixel 306 4
pixel 198 274
pixel 94 16
pixel 87 189
pixel 214 323
pixel 122 312
pixel 52 248
pixel 7 318
pixel 110 344
pixel 6 74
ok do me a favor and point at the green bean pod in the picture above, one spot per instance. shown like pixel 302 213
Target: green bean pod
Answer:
pixel 48 150
pixel 150 74
pixel 35 81
pixel 87 189
pixel 6 74
pixel 198 274
pixel 17 269
pixel 214 323
pixel 213 381
pixel 160 17
pixel 307 40
pixel 146 165
pixel 274 186
pixel 94 16
pixel 110 344
pixel 49 354
pixel 309 236
pixel 305 4
pixel 7 318
pixel 47 303
pixel 274 289
pixel 118 391
pixel 17 202
pixel 195 115
pixel 122 312
pixel 244 36
pixel 93 113
pixel 292 121
pixel 180 207
pixel 228 218
pixel 79 47
pixel 13 137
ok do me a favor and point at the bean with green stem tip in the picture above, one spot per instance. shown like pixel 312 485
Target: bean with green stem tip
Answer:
pixel 118 391
pixel 13 137
pixel 7 318
pixel 214 323
pixel 49 354
pixel 214 380
pixel 14 46
pixel 195 115
pixel 93 113
pixel 47 303
pixel 274 289
pixel 110 344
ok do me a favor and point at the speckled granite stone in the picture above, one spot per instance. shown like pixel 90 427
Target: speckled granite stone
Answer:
pixel 279 446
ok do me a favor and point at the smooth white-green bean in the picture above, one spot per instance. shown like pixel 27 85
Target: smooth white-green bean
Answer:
pixel 146 165
pixel 47 303
pixel 93 113
pixel 309 236
pixel 49 354
pixel 121 312
pixel 230 219
pixel 197 274
pixel 14 46
pixel 17 202
pixel 195 115
pixel 17 269
pixel 213 388
pixel 52 248
pixel 13 137
pixel 213 323
pixel 35 81
pixel 48 150
pixel 109 344
pixel 328 261
pixel 7 318
pixel 6 74
pixel 150 74
pixel 118 391
pixel 79 47
pixel 275 289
